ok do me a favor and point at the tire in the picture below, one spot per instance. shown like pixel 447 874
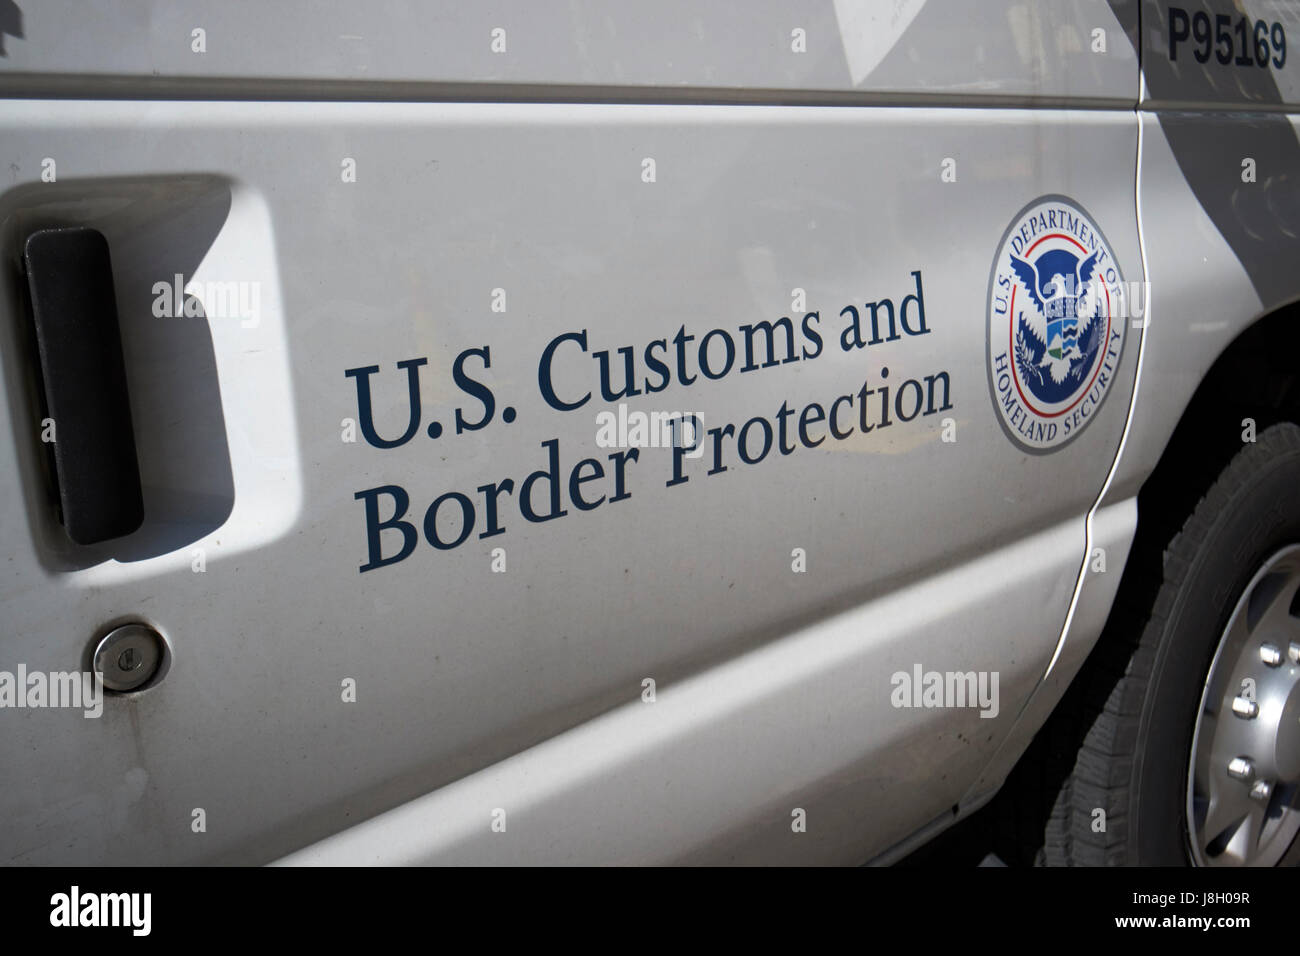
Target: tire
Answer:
pixel 1122 739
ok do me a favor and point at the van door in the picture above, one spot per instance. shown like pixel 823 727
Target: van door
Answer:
pixel 564 434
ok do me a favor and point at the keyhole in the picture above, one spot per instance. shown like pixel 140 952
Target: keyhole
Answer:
pixel 128 660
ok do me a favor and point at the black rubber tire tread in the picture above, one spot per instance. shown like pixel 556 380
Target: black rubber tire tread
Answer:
pixel 1098 728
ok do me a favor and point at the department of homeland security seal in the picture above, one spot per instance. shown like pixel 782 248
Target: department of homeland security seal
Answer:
pixel 1055 324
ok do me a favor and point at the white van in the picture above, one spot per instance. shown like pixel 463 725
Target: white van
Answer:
pixel 694 432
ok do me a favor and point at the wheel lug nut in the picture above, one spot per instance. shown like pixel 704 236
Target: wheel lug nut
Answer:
pixel 1245 708
pixel 1293 652
pixel 1270 655
pixel 1241 768
pixel 1261 791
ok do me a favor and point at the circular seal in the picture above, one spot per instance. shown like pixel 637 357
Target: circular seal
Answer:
pixel 1055 324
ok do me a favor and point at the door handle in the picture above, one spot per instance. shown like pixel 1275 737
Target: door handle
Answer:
pixel 74 309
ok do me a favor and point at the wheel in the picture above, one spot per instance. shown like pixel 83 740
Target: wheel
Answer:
pixel 1245 761
pixel 1183 730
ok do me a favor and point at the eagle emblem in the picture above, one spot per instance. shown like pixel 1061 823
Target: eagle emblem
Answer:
pixel 1057 318
pixel 1057 339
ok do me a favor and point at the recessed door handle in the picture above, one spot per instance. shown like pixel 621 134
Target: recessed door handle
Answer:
pixel 74 308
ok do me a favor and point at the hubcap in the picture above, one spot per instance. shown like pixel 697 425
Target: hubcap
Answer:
pixel 1243 779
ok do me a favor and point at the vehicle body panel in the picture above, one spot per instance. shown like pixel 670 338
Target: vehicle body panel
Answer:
pixel 584 48
pixel 524 172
